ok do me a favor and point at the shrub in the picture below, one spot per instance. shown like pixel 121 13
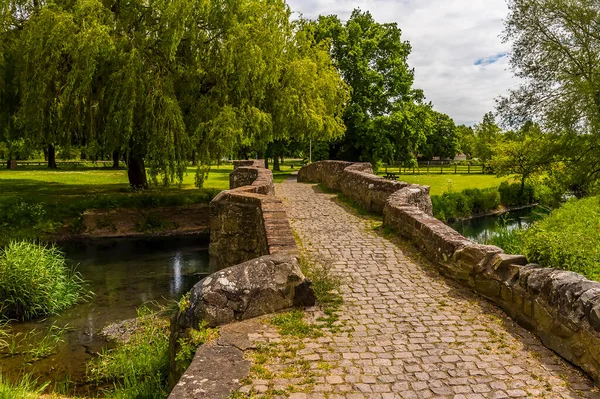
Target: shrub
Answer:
pixel 35 281
pixel 510 194
pixel 139 368
pixel 452 206
pixel 26 388
pixel 568 239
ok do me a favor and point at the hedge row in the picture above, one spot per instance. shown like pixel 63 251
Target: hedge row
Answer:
pixel 474 201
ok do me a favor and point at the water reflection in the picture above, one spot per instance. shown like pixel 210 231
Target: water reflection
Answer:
pixel 177 281
pixel 484 228
pixel 123 275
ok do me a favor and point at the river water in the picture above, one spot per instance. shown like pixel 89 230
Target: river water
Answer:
pixel 483 228
pixel 123 274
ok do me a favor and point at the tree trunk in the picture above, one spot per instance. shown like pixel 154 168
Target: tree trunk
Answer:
pixel 522 187
pixel 266 163
pixel 137 172
pixel 115 157
pixel 11 164
pixel 276 167
pixel 51 157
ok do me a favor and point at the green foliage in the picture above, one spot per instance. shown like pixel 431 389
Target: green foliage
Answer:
pixel 193 339
pixel 293 324
pixel 513 194
pixel 486 135
pixel 201 175
pixel 523 153
pixel 510 240
pixel 466 140
pixel 35 281
pixel 385 117
pixel 139 367
pixel 552 43
pixel 567 239
pixel 26 388
pixel 456 205
pixel 442 140
pixel 162 80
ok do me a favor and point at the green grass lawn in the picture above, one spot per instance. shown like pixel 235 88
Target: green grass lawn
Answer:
pixel 449 182
pixel 73 181
pixel 36 201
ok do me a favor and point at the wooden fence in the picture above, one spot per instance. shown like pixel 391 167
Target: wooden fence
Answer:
pixel 105 164
pixel 426 168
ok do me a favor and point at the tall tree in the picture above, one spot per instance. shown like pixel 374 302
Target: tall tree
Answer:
pixel 165 81
pixel 466 140
pixel 556 56
pixel 487 134
pixel 372 58
pixel 523 153
pixel 442 139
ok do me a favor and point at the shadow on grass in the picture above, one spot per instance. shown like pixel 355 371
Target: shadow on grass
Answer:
pixel 32 189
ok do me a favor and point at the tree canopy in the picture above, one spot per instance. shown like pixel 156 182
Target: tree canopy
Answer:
pixel 162 80
pixel 386 118
pixel 556 56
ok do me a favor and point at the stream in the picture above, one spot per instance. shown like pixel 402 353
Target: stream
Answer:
pixel 122 274
pixel 481 229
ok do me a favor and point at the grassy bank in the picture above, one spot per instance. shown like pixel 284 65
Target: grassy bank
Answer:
pixel 35 203
pixel 452 183
pixel 568 239
pixel 35 281
pixel 471 202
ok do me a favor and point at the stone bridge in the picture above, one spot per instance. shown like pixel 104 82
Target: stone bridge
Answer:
pixel 421 314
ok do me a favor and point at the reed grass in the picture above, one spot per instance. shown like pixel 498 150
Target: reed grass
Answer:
pixel 139 367
pixel 35 281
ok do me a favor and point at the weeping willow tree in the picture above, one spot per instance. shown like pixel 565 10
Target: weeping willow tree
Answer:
pixel 165 81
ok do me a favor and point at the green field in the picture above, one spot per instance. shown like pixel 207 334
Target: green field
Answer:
pixel 28 181
pixel 82 181
pixel 450 182
pixel 35 201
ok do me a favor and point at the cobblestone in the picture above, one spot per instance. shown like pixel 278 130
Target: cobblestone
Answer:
pixel 409 333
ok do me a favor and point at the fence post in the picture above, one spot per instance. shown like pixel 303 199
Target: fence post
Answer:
pixel 469 169
pixel 455 166
pixel 442 168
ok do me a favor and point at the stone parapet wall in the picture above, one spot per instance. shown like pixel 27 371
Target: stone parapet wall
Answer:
pixel 562 308
pixel 253 163
pixel 248 221
pixel 252 179
pixel 252 242
pixel 357 181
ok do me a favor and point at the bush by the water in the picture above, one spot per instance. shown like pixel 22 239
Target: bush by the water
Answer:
pixel 452 206
pixel 511 195
pixel 138 368
pixel 568 239
pixel 470 202
pixel 35 281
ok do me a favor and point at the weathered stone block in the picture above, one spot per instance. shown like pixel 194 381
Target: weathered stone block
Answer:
pixel 247 290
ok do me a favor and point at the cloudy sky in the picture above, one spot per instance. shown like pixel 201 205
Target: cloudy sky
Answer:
pixel 459 58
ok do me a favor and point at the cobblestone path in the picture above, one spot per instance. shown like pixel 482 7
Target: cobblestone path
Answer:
pixel 410 332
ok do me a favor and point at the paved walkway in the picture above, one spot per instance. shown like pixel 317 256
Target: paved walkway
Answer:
pixel 411 333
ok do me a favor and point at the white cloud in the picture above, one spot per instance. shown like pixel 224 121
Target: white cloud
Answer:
pixel 448 37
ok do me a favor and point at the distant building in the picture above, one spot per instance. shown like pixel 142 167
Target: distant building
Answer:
pixel 458 157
